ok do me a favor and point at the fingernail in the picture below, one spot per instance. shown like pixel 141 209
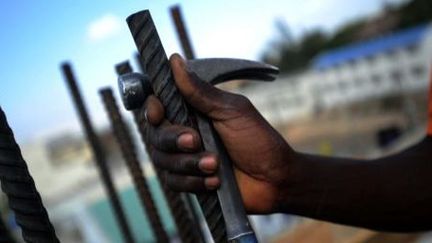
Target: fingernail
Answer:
pixel 186 141
pixel 212 183
pixel 208 164
pixel 180 59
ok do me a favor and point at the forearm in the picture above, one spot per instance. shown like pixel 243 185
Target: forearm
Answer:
pixel 392 193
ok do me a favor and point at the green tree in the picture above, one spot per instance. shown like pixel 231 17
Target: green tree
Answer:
pixel 290 55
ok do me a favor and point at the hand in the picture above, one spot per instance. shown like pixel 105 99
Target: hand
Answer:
pixel 261 157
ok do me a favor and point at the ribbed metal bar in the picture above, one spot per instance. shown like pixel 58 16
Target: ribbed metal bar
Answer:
pixel 20 189
pixel 182 33
pixel 188 51
pixel 157 67
pixel 128 150
pixel 186 228
pixel 98 154
pixel 123 68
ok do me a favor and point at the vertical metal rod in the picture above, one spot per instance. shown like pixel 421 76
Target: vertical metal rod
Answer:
pixel 157 67
pixel 98 154
pixel 185 226
pixel 124 68
pixel 20 189
pixel 127 148
pixel 188 51
pixel 182 33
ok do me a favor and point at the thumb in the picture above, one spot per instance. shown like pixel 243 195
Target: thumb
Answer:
pixel 198 93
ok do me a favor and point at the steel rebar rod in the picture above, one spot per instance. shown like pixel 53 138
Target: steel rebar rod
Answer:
pixel 157 67
pixel 128 150
pixel 123 68
pixel 186 228
pixel 188 51
pixel 182 33
pixel 20 189
pixel 98 153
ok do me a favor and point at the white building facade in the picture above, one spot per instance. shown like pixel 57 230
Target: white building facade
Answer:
pixel 393 64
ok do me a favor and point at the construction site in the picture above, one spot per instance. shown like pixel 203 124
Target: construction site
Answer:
pixel 76 159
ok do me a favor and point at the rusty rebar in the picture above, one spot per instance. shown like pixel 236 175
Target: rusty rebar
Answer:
pixel 98 153
pixel 123 68
pixel 182 33
pixel 188 51
pixel 20 189
pixel 187 229
pixel 127 147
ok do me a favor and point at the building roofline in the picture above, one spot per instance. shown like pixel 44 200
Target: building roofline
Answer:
pixel 354 51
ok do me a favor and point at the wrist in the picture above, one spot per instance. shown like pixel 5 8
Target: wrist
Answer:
pixel 290 185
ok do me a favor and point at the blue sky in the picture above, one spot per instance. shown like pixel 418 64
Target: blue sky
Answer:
pixel 38 35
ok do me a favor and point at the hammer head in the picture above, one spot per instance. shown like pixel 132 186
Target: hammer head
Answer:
pixel 135 87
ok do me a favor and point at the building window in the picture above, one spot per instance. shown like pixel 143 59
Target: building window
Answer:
pixel 376 79
pixel 413 48
pixel 396 77
pixel 343 85
pixel 418 72
pixel 298 100
pixel 352 63
pixel 370 59
pixel 328 88
pixel 392 53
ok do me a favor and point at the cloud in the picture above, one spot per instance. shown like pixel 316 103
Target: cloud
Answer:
pixel 103 28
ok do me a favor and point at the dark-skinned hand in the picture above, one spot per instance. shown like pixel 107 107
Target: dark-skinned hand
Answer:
pixel 391 193
pixel 260 155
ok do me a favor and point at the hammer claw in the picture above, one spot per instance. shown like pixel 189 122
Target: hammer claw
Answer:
pixel 219 70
